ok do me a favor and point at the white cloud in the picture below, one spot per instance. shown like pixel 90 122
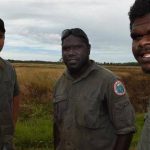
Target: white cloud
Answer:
pixel 38 24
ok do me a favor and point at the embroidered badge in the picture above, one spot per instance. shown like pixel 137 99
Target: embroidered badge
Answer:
pixel 119 88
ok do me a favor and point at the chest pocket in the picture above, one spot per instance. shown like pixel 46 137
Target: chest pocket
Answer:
pixel 2 97
pixel 2 89
pixel 5 105
pixel 89 113
pixel 10 88
pixel 7 84
pixel 6 91
pixel 60 107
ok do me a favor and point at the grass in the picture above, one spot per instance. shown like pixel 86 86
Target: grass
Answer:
pixel 35 132
pixel 139 126
pixel 37 82
pixel 34 127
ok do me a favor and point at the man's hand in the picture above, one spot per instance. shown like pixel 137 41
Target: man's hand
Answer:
pixel 123 142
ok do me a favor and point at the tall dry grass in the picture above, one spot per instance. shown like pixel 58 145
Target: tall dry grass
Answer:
pixel 137 84
pixel 36 87
pixel 37 82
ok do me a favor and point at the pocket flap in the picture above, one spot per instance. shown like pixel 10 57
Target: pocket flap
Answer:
pixel 121 105
pixel 59 98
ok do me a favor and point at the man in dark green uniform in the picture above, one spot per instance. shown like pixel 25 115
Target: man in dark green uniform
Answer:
pixel 140 33
pixel 9 98
pixel 92 110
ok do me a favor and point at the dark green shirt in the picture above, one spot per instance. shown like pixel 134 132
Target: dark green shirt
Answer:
pixel 8 89
pixel 90 111
pixel 144 142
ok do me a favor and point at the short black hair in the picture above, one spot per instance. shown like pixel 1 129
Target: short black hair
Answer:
pixel 139 9
pixel 76 32
pixel 2 26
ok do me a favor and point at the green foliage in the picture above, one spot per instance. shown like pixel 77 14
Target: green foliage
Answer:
pixel 139 126
pixel 34 133
pixel 33 110
pixel 34 127
pixel 35 62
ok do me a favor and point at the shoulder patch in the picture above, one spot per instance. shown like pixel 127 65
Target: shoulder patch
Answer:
pixel 119 88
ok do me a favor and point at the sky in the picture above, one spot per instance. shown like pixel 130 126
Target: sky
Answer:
pixel 33 28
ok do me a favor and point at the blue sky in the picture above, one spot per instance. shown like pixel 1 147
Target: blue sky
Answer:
pixel 33 28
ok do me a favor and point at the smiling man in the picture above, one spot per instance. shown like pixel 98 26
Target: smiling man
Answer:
pixel 92 110
pixel 9 98
pixel 140 33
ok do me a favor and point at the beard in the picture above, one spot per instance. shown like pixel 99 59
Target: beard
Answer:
pixel 78 68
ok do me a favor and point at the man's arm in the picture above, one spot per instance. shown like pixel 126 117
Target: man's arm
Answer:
pixel 56 136
pixel 15 110
pixel 122 115
pixel 123 142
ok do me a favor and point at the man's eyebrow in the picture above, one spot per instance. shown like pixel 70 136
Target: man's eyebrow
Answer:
pixel 139 24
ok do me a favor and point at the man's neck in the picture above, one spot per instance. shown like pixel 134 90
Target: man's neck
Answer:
pixel 78 73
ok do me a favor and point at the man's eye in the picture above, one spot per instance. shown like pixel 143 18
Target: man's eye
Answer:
pixel 136 36
pixel 65 48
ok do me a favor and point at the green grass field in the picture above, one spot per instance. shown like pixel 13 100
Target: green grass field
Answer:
pixel 35 125
pixel 34 129
pixel 139 126
pixel 36 134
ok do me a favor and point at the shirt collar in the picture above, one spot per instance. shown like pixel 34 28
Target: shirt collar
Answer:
pixel 2 64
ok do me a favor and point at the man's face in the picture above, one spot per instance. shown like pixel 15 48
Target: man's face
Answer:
pixel 2 37
pixel 140 34
pixel 75 53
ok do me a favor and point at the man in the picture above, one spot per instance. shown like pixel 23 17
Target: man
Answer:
pixel 9 98
pixel 91 108
pixel 140 33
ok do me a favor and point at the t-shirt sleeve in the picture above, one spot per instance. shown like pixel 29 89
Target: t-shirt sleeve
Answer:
pixel 16 85
pixel 120 108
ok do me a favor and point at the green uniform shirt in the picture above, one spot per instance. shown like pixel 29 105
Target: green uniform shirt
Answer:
pixel 8 89
pixel 90 111
pixel 144 142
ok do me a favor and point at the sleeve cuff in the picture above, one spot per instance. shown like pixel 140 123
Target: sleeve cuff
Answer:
pixel 126 130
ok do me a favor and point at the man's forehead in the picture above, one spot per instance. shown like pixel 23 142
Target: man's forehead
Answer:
pixel 141 21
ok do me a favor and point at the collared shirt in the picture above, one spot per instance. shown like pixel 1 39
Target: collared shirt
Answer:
pixel 90 111
pixel 8 89
pixel 144 142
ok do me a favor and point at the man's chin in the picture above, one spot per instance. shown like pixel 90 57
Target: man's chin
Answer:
pixel 73 69
pixel 146 68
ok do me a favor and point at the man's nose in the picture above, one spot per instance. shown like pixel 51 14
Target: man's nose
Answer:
pixel 71 51
pixel 145 40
